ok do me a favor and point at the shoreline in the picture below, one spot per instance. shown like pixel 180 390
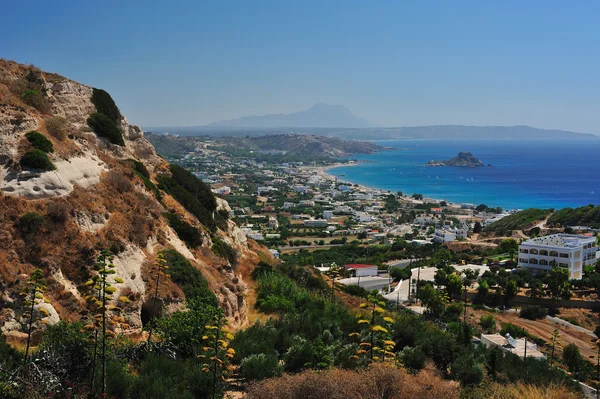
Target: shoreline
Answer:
pixel 324 172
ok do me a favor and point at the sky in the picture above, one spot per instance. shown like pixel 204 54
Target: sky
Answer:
pixel 395 63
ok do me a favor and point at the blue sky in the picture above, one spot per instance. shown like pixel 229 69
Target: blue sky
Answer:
pixel 396 63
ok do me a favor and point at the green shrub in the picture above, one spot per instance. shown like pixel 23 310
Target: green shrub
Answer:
pixel 106 105
pixel 514 330
pixel 190 279
pixel 466 370
pixel 106 127
pixel 413 358
pixel 488 323
pixel 187 200
pixel 224 250
pixel 519 220
pixel 533 312
pixel 260 366
pixel 572 357
pixel 194 186
pixel 37 159
pixel 185 231
pixel 31 222
pixel 39 141
pixel 355 290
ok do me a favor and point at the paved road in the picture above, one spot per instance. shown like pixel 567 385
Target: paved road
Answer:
pixel 399 263
pixel 288 248
pixel 368 283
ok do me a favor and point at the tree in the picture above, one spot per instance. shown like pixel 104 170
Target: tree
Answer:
pixel 572 358
pixel 102 292
pixel 160 270
pixel 554 344
pixel 466 370
pixel 433 300
pixel 510 246
pixel 511 289
pixel 33 295
pixel 413 358
pixel 217 354
pixel 558 282
pixel 454 285
pixel 477 227
pixel 375 339
pixel 488 322
pixel 400 273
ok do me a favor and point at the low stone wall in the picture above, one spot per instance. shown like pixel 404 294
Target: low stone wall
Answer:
pixel 521 300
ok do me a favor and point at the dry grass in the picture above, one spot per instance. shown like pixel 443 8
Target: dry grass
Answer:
pixel 377 382
pixel 519 391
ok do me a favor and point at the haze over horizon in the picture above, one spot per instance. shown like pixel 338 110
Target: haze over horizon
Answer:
pixel 190 64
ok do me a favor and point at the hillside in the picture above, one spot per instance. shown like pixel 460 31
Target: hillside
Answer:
pixel 87 180
pixel 293 144
pixel 519 220
pixel 319 115
pixel 583 216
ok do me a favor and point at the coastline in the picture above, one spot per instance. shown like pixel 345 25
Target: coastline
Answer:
pixel 324 172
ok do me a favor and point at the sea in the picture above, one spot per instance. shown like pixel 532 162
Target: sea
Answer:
pixel 523 174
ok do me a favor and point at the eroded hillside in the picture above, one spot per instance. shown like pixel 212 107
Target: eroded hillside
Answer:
pixel 70 190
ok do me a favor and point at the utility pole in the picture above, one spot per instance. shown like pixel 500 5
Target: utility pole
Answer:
pixel 418 278
pixel 525 351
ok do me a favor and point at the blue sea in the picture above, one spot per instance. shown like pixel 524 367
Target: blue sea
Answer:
pixel 524 174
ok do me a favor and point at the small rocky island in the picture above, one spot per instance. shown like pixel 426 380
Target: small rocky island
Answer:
pixel 464 159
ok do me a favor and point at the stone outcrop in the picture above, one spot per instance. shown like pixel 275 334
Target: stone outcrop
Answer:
pixel 85 210
pixel 464 159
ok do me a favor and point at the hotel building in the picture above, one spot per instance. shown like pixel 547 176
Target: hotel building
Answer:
pixel 565 250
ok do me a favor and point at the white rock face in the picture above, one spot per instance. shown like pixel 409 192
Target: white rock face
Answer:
pixel 13 125
pixel 83 171
pixel 72 101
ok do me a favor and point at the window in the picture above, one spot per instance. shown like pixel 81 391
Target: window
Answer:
pixel 533 251
pixel 533 261
pixel 524 250
pixel 544 252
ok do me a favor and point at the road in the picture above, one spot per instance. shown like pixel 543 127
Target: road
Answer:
pixel 368 283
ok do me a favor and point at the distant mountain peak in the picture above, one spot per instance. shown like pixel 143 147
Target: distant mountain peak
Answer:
pixel 319 115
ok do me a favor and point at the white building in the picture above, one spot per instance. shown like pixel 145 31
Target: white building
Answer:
pixel 519 347
pixel 363 217
pixel 316 223
pixel 327 215
pixel 565 250
pixel 361 270
pixel 306 203
pixel 449 234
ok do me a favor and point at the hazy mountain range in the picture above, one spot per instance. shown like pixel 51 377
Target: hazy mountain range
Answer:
pixel 319 115
pixel 339 121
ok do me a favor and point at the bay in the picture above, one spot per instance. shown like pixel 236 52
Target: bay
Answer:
pixel 524 174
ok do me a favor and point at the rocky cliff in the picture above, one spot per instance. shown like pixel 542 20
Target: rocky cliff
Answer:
pixel 87 191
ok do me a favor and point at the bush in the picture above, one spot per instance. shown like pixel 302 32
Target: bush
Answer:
pixel 185 231
pixel 355 290
pixel 533 312
pixel 514 330
pixel 224 250
pixel 572 357
pixel 31 222
pixel 466 370
pixel 58 127
pixel 488 323
pixel 194 186
pixel 118 181
pixel 58 211
pixel 36 159
pixel 39 141
pixel 413 358
pixel 106 105
pixel 106 127
pixel 260 366
pixel 187 200
pixel 190 279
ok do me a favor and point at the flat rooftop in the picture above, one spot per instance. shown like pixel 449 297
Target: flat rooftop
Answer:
pixel 560 241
